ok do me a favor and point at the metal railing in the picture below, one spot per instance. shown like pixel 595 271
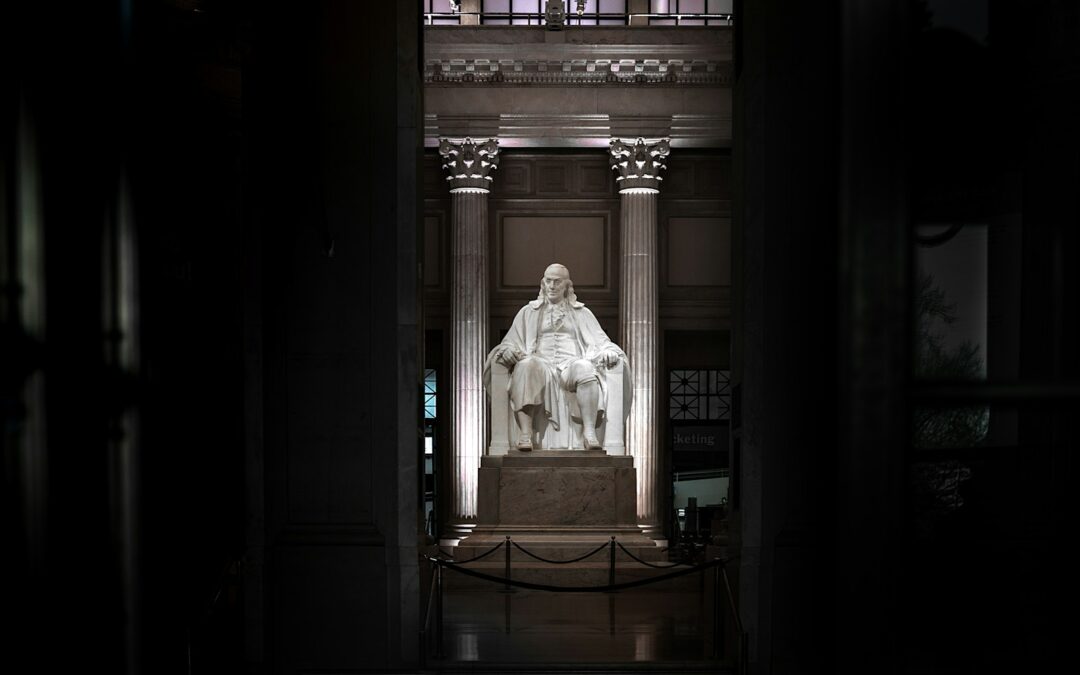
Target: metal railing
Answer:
pixel 721 585
pixel 572 20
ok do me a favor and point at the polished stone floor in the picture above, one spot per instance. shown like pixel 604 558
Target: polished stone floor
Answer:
pixel 632 630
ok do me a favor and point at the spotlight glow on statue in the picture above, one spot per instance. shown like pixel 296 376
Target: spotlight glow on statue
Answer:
pixel 556 349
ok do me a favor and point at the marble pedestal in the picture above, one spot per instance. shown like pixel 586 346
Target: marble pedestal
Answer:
pixel 564 490
pixel 558 504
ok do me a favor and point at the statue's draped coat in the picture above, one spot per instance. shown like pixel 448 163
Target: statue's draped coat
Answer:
pixel 593 342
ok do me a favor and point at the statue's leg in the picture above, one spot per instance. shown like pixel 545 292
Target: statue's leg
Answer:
pixel 588 396
pixel 526 390
pixel 525 427
pixel 582 378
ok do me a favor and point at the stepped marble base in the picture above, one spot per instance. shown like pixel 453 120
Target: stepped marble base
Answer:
pixel 559 505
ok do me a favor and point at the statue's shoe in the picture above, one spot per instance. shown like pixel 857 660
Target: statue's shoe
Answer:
pixel 591 442
pixel 524 444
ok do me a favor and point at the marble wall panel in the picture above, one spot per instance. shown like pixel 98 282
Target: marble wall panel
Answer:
pixel 699 251
pixel 595 179
pixel 330 581
pixel 433 246
pixel 328 480
pixel 553 178
pixel 678 179
pixel 513 178
pixel 531 243
pixel 713 179
pixel 434 178
pixel 336 518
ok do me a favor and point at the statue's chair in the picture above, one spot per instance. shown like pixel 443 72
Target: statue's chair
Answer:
pixel 504 427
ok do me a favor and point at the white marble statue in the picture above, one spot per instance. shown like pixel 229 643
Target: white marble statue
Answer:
pixel 556 350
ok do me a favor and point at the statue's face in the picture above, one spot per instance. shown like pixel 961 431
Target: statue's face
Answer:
pixel 556 281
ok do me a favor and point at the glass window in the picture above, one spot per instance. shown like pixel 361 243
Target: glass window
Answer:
pixel 691 12
pixel 495 7
pixel 951 302
pixel 430 449
pixel 438 13
pixel 430 393
pixel 699 395
pixel 587 17
pixel 597 13
pixel 513 12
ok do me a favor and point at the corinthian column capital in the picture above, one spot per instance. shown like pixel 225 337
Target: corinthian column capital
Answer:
pixel 638 163
pixel 469 163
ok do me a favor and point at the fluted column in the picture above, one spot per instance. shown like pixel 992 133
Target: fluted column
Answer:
pixel 469 165
pixel 638 168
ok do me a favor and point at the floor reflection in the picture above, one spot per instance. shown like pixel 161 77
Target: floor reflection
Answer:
pixel 632 626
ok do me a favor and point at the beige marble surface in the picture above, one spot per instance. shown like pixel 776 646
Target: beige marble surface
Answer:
pixel 557 491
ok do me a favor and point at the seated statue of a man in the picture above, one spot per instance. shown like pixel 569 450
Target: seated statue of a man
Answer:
pixel 555 347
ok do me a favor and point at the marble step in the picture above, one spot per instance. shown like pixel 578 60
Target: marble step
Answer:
pixel 573 574
pixel 558 545
pixel 559 552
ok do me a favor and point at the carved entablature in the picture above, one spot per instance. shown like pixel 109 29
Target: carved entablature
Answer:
pixel 515 85
pixel 469 163
pixel 638 164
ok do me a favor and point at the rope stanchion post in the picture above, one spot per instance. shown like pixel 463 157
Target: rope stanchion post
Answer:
pixel 744 638
pixel 438 611
pixel 425 642
pixel 731 598
pixel 717 615
pixel 611 565
pixel 507 588
pixel 611 613
pixel 744 654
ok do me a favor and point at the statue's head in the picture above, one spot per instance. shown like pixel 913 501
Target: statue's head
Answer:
pixel 556 284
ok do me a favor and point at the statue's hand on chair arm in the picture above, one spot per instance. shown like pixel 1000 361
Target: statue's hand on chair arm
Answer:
pixel 607 357
pixel 508 355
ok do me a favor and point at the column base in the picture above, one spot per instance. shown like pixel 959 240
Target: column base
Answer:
pixel 655 532
pixel 454 532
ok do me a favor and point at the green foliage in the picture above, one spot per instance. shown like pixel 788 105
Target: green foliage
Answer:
pixel 948 427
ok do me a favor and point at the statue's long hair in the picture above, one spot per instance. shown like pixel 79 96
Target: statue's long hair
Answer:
pixel 570 294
